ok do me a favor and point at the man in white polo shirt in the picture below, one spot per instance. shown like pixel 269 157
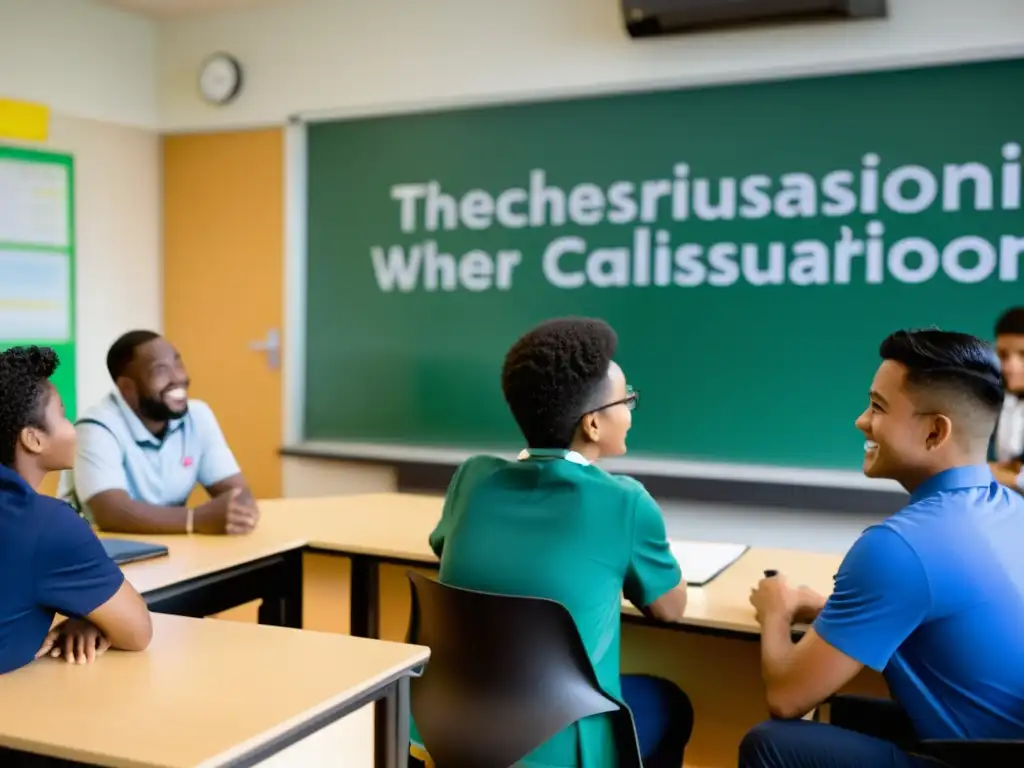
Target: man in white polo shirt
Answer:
pixel 144 448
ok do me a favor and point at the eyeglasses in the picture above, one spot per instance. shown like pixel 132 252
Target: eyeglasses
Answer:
pixel 631 401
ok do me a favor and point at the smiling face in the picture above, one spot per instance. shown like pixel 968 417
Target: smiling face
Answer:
pixel 156 383
pixel 901 441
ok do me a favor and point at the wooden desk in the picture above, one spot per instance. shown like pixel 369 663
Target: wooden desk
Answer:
pixel 392 528
pixel 207 694
pixel 207 574
pixel 712 655
pixel 204 575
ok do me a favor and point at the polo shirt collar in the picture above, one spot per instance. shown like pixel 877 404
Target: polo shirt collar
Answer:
pixel 138 430
pixel 9 479
pixel 553 453
pixel 973 476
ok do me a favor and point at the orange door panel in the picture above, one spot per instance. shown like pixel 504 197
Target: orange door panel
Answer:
pixel 223 251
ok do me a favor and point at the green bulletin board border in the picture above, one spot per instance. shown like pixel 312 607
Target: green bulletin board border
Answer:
pixel 65 377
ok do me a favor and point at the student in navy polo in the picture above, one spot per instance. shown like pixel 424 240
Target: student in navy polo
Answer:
pixel 932 597
pixel 589 537
pixel 50 560
pixel 143 449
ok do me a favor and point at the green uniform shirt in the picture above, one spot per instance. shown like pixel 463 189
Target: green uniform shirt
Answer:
pixel 553 526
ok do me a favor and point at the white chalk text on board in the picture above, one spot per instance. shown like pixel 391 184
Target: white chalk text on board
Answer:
pixel 659 216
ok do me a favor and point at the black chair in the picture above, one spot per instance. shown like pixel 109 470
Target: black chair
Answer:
pixel 505 675
pixel 885 719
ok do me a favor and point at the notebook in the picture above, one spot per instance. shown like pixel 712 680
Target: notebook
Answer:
pixel 702 561
pixel 123 551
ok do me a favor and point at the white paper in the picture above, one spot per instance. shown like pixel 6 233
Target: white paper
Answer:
pixel 35 290
pixel 34 204
pixel 700 561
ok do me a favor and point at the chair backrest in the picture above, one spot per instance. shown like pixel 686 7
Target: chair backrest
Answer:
pixel 505 674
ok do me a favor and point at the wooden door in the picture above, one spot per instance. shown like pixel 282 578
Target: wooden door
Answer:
pixel 223 252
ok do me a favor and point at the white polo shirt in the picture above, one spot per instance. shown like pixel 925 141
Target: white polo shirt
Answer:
pixel 1009 440
pixel 116 452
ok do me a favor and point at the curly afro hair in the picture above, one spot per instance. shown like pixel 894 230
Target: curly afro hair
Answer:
pixel 553 373
pixel 24 373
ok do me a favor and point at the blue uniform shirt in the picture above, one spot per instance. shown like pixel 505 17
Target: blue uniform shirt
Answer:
pixel 933 597
pixel 50 562
pixel 116 452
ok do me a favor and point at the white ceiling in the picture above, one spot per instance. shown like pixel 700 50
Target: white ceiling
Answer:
pixel 165 9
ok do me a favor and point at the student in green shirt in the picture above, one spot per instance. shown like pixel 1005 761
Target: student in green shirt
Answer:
pixel 551 524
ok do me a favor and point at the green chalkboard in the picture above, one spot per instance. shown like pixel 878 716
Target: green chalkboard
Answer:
pixel 37 257
pixel 752 244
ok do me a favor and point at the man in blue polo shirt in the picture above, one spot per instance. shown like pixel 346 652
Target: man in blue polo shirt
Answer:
pixel 144 448
pixel 932 597
pixel 50 560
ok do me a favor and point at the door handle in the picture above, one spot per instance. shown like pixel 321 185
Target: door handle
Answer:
pixel 270 345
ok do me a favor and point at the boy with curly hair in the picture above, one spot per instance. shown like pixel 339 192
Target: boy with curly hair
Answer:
pixel 588 536
pixel 50 560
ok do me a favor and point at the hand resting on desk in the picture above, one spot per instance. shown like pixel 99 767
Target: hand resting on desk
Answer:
pixel 773 595
pixel 77 641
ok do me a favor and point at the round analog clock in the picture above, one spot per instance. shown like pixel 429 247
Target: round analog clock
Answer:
pixel 220 78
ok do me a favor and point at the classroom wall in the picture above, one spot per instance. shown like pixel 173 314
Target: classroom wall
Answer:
pixel 94 67
pixel 80 58
pixel 306 55
pixel 117 212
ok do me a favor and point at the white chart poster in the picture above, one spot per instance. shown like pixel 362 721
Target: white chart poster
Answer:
pixel 36 248
pixel 34 204
pixel 35 291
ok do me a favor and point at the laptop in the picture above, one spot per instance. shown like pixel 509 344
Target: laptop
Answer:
pixel 123 551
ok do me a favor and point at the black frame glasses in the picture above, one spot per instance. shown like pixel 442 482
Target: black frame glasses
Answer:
pixel 631 401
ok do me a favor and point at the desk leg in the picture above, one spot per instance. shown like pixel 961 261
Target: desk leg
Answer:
pixel 283 606
pixel 364 600
pixel 391 727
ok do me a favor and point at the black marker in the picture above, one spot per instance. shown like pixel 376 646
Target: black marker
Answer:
pixel 769 573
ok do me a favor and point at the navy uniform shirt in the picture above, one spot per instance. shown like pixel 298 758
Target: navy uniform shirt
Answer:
pixel 50 562
pixel 933 598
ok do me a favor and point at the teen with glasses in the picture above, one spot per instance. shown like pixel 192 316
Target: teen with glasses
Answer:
pixel 554 525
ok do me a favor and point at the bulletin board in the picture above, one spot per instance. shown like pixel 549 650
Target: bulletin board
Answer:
pixel 37 257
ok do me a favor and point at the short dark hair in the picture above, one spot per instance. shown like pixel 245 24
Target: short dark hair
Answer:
pixel 1011 322
pixel 122 351
pixel 957 368
pixel 24 373
pixel 551 375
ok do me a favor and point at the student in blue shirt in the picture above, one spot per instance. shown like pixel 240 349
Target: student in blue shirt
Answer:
pixel 589 537
pixel 932 597
pixel 50 560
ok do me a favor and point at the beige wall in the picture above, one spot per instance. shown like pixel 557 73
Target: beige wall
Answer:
pixel 304 55
pixel 81 58
pixel 94 67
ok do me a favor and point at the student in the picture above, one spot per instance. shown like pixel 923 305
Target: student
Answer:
pixel 50 560
pixel 1008 441
pixel 145 446
pixel 588 536
pixel 932 597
